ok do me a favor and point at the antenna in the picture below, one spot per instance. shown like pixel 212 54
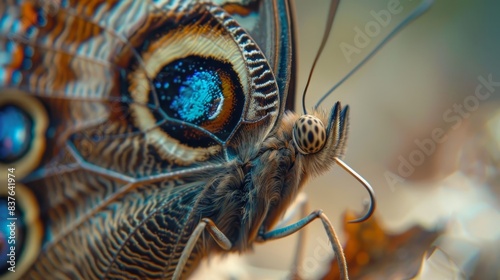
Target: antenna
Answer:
pixel 417 12
pixel 329 23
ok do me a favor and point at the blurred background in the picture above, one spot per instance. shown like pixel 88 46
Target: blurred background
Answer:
pixel 424 131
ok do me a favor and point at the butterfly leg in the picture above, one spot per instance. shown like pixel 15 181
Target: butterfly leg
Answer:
pixel 299 206
pixel 216 234
pixel 332 236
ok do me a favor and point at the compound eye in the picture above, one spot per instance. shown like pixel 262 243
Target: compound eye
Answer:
pixel 309 134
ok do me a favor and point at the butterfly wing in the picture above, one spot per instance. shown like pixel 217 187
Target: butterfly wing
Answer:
pixel 126 106
pixel 271 25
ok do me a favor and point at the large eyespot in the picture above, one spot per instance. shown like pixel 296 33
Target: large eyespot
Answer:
pixel 23 122
pixel 309 134
pixel 188 87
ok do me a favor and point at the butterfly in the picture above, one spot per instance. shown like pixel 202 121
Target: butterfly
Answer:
pixel 142 136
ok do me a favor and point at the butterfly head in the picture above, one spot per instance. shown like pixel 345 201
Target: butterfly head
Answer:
pixel 320 137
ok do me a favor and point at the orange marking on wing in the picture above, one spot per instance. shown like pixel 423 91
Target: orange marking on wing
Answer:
pixel 83 31
pixel 65 73
pixel 218 123
pixel 17 58
pixel 237 9
pixel 29 16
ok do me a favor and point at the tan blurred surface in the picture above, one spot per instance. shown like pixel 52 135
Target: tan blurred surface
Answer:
pixel 398 97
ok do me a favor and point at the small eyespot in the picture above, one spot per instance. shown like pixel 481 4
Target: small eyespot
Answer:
pixel 16 140
pixel 309 134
